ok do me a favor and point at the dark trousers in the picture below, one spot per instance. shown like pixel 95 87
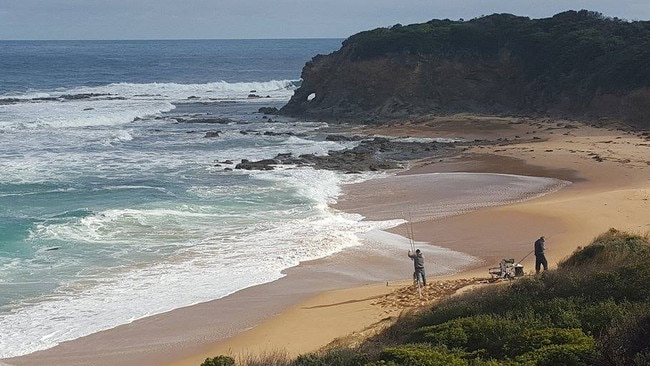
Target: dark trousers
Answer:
pixel 540 260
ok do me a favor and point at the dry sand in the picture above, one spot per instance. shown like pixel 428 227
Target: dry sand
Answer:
pixel 313 305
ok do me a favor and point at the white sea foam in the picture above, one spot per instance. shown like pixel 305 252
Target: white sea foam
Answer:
pixel 209 260
pixel 219 90
pixel 121 103
pixel 214 90
pixel 82 113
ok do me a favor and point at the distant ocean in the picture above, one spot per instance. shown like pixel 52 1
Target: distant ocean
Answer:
pixel 114 207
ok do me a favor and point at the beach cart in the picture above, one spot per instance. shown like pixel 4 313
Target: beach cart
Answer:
pixel 507 270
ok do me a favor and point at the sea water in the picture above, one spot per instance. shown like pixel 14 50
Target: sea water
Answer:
pixel 114 207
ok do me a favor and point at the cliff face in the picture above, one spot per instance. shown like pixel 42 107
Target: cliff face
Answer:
pixel 399 85
pixel 495 64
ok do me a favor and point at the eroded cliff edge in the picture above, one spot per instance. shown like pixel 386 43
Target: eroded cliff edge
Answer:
pixel 574 64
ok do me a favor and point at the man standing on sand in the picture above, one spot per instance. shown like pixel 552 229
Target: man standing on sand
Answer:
pixel 418 263
pixel 540 258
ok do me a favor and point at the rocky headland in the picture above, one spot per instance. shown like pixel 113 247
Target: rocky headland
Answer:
pixel 576 64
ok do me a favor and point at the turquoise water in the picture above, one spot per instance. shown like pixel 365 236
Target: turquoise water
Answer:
pixel 110 208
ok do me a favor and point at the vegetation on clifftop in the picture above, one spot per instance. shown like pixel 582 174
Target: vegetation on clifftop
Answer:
pixel 593 310
pixel 580 50
pixel 576 62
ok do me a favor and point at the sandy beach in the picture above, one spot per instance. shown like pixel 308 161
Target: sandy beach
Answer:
pixel 348 296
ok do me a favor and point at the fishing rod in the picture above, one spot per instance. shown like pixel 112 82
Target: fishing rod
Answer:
pixel 409 232
pixel 411 237
pixel 526 256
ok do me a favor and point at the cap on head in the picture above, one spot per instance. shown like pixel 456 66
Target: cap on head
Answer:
pixel 417 250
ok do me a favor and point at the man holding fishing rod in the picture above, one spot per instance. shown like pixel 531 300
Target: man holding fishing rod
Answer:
pixel 418 263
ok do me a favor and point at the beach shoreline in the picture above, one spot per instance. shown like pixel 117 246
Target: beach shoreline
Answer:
pixel 610 175
pixel 316 303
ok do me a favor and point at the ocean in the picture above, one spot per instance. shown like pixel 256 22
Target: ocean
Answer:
pixel 115 202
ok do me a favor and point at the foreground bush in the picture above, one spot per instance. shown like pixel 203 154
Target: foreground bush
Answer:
pixel 422 355
pixel 337 357
pixel 219 361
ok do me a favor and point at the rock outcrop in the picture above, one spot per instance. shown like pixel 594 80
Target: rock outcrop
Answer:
pixel 373 154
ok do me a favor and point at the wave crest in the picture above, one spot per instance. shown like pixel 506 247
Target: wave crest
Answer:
pixel 219 89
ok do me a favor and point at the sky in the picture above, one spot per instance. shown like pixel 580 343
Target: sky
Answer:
pixel 262 19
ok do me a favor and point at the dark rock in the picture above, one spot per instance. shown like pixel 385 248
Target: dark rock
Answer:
pixel 213 133
pixel 82 96
pixel 47 99
pixel 338 138
pixel 268 110
pixel 264 164
pixel 271 133
pixel 76 97
pixel 369 155
pixel 208 120
pixel 4 101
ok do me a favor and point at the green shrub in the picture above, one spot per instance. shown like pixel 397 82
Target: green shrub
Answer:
pixel 422 355
pixel 219 361
pixel 336 357
pixel 451 334
pixel 483 333
pixel 628 338
pixel 609 250
pixel 559 355
pixel 494 337
pixel 560 312
pixel 642 359
pixel 381 363
pixel 267 358
pixel 531 340
pixel 596 317
pixel 495 300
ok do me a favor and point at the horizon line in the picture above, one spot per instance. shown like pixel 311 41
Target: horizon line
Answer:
pixel 164 39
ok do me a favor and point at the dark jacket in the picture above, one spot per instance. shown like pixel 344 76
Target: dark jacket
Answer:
pixel 539 246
